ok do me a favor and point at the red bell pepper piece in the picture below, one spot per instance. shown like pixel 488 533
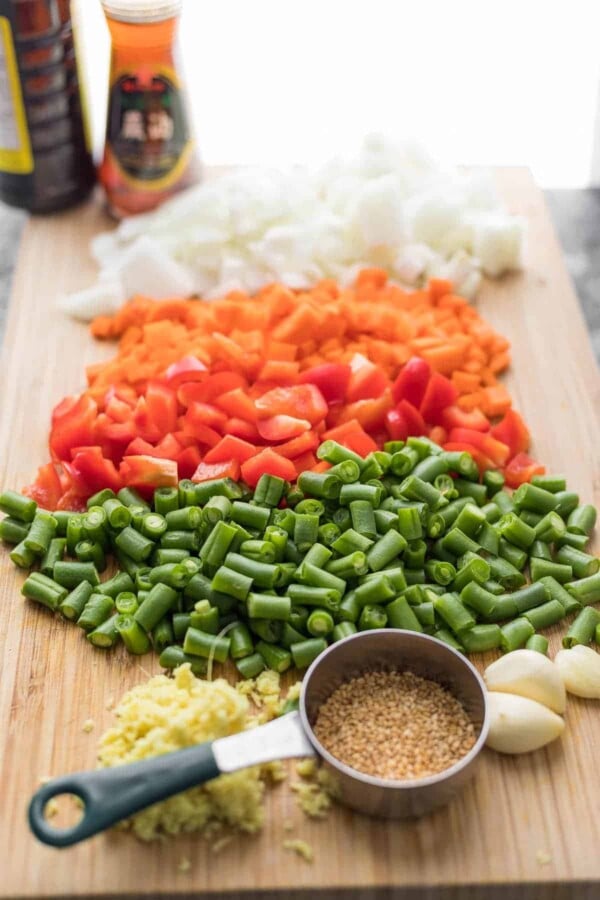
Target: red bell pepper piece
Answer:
pixel 230 447
pixel 188 369
pixel 412 381
pixel 440 393
pixel 369 413
pixel 281 428
pixel 90 471
pixel 139 447
pixel 513 431
pixel 238 405
pixel 495 450
pixel 303 401
pixel 208 471
pixel 300 445
pixel 117 410
pixel 212 387
pixel 396 425
pixel 168 448
pixel 267 462
pixel 188 461
pixel 353 436
pixel 414 419
pixel 331 379
pixel 46 490
pixel 195 426
pixel 522 468
pixel 73 421
pixel 455 417
pixel 161 403
pixel 145 427
pixel 305 461
pixel 206 414
pixel 243 429
pixel 367 380
pixel 148 471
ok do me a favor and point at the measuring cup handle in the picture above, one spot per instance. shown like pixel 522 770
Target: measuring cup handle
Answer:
pixel 110 795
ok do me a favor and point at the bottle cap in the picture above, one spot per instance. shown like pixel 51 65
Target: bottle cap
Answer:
pixel 141 11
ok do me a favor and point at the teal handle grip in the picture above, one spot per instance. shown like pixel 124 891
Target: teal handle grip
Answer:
pixel 110 795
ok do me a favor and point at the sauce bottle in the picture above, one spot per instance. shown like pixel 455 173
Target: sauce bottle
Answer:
pixel 45 159
pixel 149 152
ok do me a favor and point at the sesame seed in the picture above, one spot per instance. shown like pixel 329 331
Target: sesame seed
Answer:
pixel 395 725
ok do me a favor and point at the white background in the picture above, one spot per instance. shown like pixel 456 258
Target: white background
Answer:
pixel 478 82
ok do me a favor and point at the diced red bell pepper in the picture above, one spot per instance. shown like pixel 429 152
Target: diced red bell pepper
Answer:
pixel 90 471
pixel 73 421
pixel 305 461
pixel 139 447
pixel 281 428
pixel 148 471
pixel 369 413
pixel 195 426
pixel 396 425
pixel 367 380
pixel 212 387
pixel 188 461
pixel 300 445
pixel 46 490
pixel 440 393
pixel 117 410
pixel 113 437
pixel 123 392
pixel 207 414
pixel 304 401
pixel 161 403
pixel 331 379
pixel 483 461
pixel 513 431
pixel 72 502
pixel 495 450
pixel 353 436
pixel 412 381
pixel 168 448
pixel 145 427
pixel 230 447
pixel 237 404
pixel 188 369
pixel 522 468
pixel 438 435
pixel 455 417
pixel 267 462
pixel 281 371
pixel 243 429
pixel 208 471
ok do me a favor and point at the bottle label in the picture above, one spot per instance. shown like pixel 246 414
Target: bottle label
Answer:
pixel 15 147
pixel 147 129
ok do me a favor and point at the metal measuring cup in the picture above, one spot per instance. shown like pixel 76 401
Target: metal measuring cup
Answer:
pixel 112 794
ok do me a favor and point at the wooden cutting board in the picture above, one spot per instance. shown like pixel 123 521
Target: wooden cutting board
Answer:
pixel 531 822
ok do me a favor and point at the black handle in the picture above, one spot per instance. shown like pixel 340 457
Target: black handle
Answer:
pixel 110 795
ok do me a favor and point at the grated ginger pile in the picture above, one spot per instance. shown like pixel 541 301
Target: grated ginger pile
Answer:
pixel 167 714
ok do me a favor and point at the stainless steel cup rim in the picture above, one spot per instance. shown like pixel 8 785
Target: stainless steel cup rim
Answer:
pixel 395 784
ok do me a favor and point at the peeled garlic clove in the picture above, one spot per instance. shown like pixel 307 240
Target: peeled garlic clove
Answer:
pixel 528 674
pixel 520 725
pixel 579 668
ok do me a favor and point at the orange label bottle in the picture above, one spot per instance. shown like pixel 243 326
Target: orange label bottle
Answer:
pixel 149 152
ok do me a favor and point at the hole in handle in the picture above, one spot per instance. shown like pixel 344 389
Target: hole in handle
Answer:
pixel 57 813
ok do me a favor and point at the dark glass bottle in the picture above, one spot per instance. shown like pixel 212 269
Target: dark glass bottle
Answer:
pixel 45 159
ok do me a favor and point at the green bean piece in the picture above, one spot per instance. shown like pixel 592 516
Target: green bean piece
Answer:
pixel 127 564
pixel 515 634
pixel 321 484
pixel 229 581
pixel 205 617
pixel 539 568
pixel 241 644
pixel 557 592
pixel 187 493
pixel 493 480
pixel 581 563
pixel 366 493
pixel 94 524
pixel 541 550
pixel 470 520
pixel 504 502
pixel 199 643
pixel 250 516
pixel 90 551
pixel 73 604
pixel 343 630
pixel 218 543
pixel 250 666
pixel 162 556
pixel 476 597
pixel 13 531
pixel 538 643
pixel 451 512
pixel 425 446
pixel 350 541
pixel 552 483
pixel 517 532
pixel 573 540
pixel 269 606
pixel 329 532
pixel 363 518
pixel 41 532
pixel 309 507
pixel 454 613
pixel 349 608
pixel 477 492
pixel 119 582
pixel 566 502
pixel 130 497
pixel 435 525
pixel 307 595
pixel 536 499
pixel 181 540
pixel 350 566
pixel 317 577
pixel 277 658
pixel 134 544
pixel 585 590
pixel 70 574
pixel 105 635
pixel 415 576
pixel 545 615
pixel 100 498
pixel 415 594
pixel 462 463
pixel 61 517
pixel 409 523
pixel 597 635
pixel 414 555
pixel 299 617
pixel 550 528
pixel 491 512
pixel 505 573
pixel 54 553
pixel 142 579
pixel 154 525
pixel 457 542
pixel 439 571
pixel 318 555
pixel 396 577
pixel 401 615
pixel 126 603
pixel 414 488
pixel 97 609
pixel 512 554
pixel 530 596
pixel 429 468
pixel 481 638
pixel 530 518
pixel 118 515
pixel 290 635
pixel 265 575
pixel 278 537
pixel 17 506
pixel 582 519
pixel 335 453
pixel 166 499
pixel 425 613
pixel 270 490
pixel 372 470
pixel 476 569
pixel 181 623
pixel 156 605
pixel 306 531
pixel 445 484
pixel 347 471
pixel 375 590
pixel 488 539
pixel 404 461
pixel 583 628
pixel 386 549
pixel 224 486
pixel 43 590
pixel 175 575
pixel 133 636
pixel 494 587
pixel 320 622
pixel 442 634
pixel 173 657
pixel 372 616
pixel 505 608
pixel 305 652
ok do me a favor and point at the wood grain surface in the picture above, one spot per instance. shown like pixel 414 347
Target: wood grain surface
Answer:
pixel 526 827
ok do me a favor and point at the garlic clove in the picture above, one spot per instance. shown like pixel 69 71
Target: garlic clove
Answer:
pixel 520 725
pixel 579 668
pixel 528 674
